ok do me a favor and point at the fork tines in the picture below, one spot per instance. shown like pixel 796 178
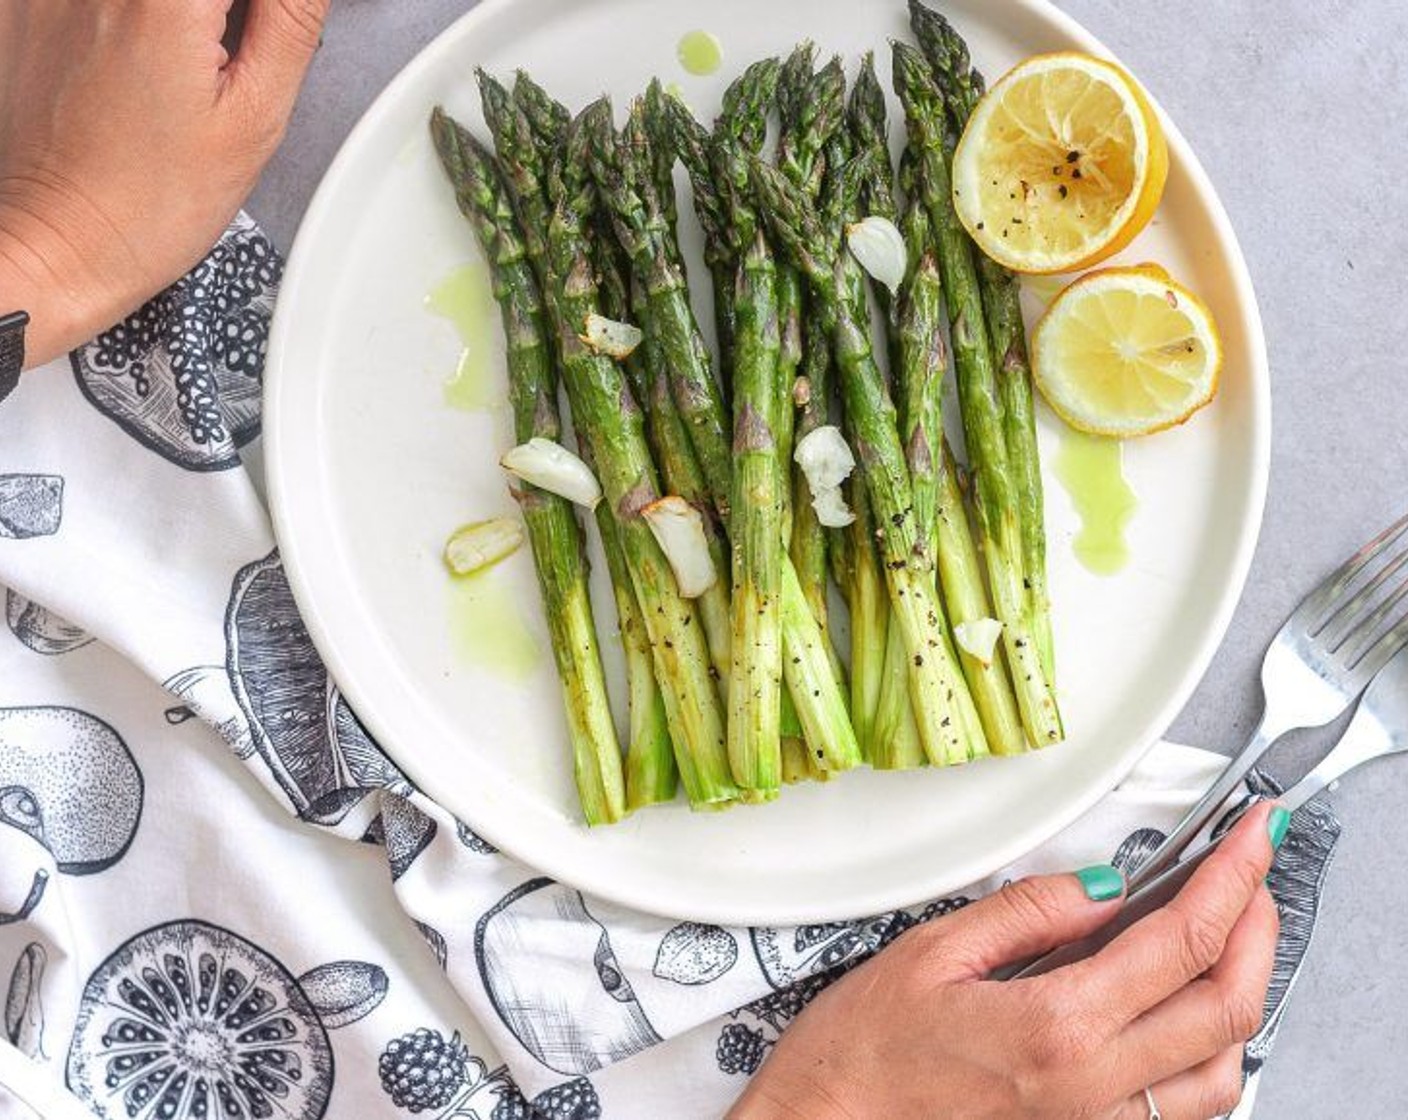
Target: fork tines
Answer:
pixel 1358 613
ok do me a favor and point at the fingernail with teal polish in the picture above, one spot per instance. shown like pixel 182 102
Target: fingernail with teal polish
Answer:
pixel 1101 882
pixel 1277 824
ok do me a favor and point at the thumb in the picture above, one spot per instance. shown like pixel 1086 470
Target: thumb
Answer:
pixel 279 40
pixel 1025 919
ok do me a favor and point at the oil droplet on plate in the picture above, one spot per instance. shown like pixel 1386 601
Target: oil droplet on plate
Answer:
pixel 489 629
pixel 465 298
pixel 1091 470
pixel 700 53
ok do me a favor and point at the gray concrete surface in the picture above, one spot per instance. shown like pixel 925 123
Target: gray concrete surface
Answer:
pixel 1295 109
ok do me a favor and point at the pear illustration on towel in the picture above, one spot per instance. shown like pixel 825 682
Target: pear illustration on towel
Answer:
pixel 549 969
pixel 68 781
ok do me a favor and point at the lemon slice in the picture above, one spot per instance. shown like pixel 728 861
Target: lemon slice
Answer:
pixel 1127 352
pixel 1061 166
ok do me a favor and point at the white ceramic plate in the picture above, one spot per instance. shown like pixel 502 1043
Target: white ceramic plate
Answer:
pixel 369 471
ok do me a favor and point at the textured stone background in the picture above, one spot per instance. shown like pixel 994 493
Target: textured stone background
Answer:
pixel 1295 109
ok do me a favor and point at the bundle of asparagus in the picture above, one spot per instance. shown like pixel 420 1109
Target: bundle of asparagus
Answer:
pixel 722 519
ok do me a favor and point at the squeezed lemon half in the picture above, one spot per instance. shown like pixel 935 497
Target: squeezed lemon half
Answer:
pixel 1061 166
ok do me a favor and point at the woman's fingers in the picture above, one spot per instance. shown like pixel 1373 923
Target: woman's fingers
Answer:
pixel 1203 1093
pixel 1025 919
pixel 1164 952
pixel 279 40
pixel 1222 1009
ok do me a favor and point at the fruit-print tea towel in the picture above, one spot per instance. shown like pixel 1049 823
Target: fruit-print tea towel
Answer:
pixel 218 896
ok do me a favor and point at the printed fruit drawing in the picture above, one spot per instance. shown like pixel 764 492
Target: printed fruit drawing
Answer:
pixel 473 841
pixel 189 1020
pixel 40 628
pixel 436 941
pixel 789 955
pixel 424 1071
pixel 344 991
pixel 31 505
pixel 68 780
pixel 317 752
pixel 572 1100
pixel 741 1049
pixel 206 695
pixel 182 375
pixel 691 953
pixel 407 832
pixel 553 978
pixel 37 883
pixel 24 1011
pixel 1296 881
pixel 1135 848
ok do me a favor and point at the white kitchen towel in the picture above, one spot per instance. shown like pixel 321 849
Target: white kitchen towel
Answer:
pixel 195 831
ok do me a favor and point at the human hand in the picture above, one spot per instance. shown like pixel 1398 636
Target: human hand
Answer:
pixel 918 1033
pixel 128 140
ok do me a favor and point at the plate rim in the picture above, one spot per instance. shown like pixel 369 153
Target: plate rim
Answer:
pixel 544 859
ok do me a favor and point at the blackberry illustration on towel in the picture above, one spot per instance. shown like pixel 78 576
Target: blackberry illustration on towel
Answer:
pixel 31 505
pixel 182 375
pixel 552 976
pixel 754 1028
pixel 423 1071
pixel 190 1020
pixel 301 727
pixel 68 781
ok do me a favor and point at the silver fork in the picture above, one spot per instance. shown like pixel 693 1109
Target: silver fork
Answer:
pixel 1379 729
pixel 1323 657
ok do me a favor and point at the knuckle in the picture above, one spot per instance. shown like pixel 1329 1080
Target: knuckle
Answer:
pixel 1199 941
pixel 1032 901
pixel 1242 1012
pixel 1249 875
pixel 304 18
